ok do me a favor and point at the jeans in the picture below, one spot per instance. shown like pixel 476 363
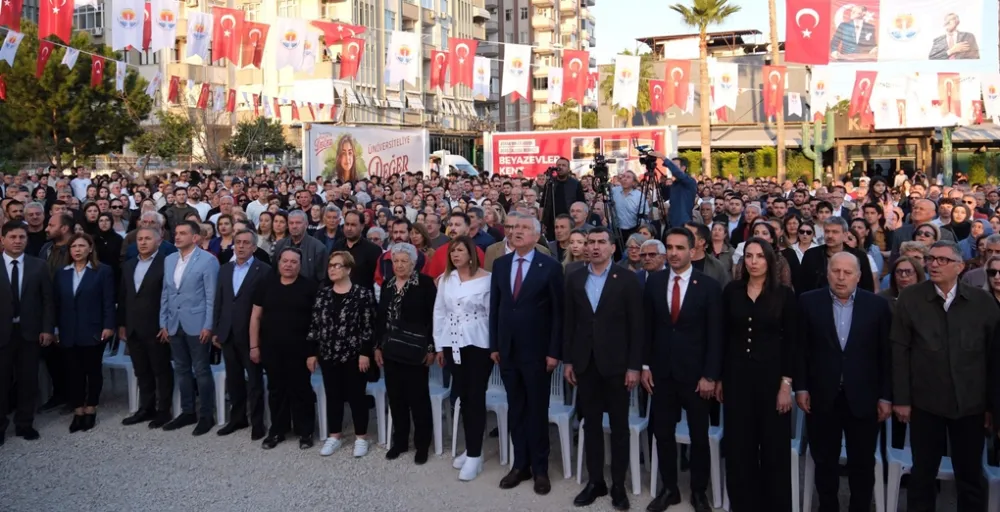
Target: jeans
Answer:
pixel 191 363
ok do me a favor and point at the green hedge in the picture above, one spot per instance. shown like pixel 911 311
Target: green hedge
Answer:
pixel 761 163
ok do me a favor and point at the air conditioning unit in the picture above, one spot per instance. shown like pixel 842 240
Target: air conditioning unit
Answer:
pixel 98 32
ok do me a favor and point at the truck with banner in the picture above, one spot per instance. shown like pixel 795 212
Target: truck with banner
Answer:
pixel 351 153
pixel 531 153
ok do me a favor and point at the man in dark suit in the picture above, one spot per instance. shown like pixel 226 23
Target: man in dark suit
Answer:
pixel 843 380
pixel 812 273
pixel 526 341
pixel 233 303
pixel 138 324
pixel 683 361
pixel 27 321
pixel 856 38
pixel 602 355
pixel 954 45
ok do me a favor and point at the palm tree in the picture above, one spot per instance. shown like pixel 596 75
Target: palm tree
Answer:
pixel 772 15
pixel 702 14
pixel 607 87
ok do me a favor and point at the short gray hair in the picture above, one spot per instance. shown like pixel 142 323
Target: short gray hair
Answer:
pixel 299 213
pixel 637 238
pixel 157 216
pixel 253 236
pixel 993 239
pixel 955 249
pixel 332 208
pixel 156 232
pixel 404 248
pixel 660 248
pixel 835 221
pixel 377 231
pixel 34 205
pixel 586 207
pixel 537 226
pixel 846 254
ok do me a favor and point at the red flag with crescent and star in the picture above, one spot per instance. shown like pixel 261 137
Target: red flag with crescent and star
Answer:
pixel 96 70
pixel 231 101
pixel 807 36
pixel 45 48
pixel 977 111
pixel 226 34
pixel 203 96
pixel 254 39
pixel 576 72
pixel 312 112
pixel 295 112
pixel 55 18
pixel 438 68
pixel 350 57
pixel 678 76
pixel 657 96
pixel 10 14
pixel 864 81
pixel 335 31
pixel 277 108
pixel 774 90
pixel 256 105
pixel 461 54
pixel 147 26
pixel 174 90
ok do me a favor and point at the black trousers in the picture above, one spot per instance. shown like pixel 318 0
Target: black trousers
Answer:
pixel 408 390
pixel 669 396
pixel 344 383
pixel 151 362
pixel 55 364
pixel 471 378
pixel 927 432
pixel 290 393
pixel 19 361
pixel 758 466
pixel 527 386
pixel 244 382
pixel 860 436
pixel 84 365
pixel 602 393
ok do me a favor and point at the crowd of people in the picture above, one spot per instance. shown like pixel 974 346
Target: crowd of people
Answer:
pixel 868 307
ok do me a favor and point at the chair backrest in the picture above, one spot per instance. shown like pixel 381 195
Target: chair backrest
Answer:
pixel 798 422
pixel 557 386
pixel 633 402
pixel 496 383
pixel 437 375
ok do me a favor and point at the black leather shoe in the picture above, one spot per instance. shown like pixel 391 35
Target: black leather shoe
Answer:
pixel 700 502
pixel 394 452
pixel 590 493
pixel 542 485
pixel 89 421
pixel 271 441
pixel 665 499
pixel 305 442
pixel 421 457
pixel 204 425
pixel 231 427
pixel 77 424
pixel 26 433
pixel 161 419
pixel 257 433
pixel 140 416
pixel 619 498
pixel 514 478
pixel 52 404
pixel 181 421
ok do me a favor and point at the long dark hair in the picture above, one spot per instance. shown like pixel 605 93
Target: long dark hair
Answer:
pixel 770 230
pixel 772 281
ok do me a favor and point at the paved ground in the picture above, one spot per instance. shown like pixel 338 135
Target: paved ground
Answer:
pixel 116 468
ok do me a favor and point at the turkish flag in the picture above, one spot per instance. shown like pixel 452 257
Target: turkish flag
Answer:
pixel 678 77
pixel 96 70
pixel 461 54
pixel 226 34
pixel 10 14
pixel 861 95
pixel 174 90
pixel 295 112
pixel 977 111
pixel 312 113
pixel 203 96
pixel 350 58
pixel 256 105
pixel 3 89
pixel 438 68
pixel 334 31
pixel 55 18
pixel 277 108
pixel 231 101
pixel 657 96
pixel 45 48
pixel 576 72
pixel 147 27
pixel 807 33
pixel 254 39
pixel 774 90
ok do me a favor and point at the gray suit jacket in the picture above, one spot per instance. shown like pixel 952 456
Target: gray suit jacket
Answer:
pixel 232 310
pixel 38 314
pixel 716 270
pixel 191 305
pixel 314 256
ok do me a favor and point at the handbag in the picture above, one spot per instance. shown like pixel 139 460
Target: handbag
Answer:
pixel 406 343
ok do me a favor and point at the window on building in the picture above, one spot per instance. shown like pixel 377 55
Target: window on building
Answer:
pixel 444 7
pixel 146 58
pixel 540 83
pixel 288 8
pixel 524 37
pixel 511 110
pixel 427 4
pixel 178 53
pixel 507 14
pixel 89 17
pixel 444 37
pixel 509 36
pixel 525 109
pixel 390 20
pixel 252 11
pixel 524 13
pixel 328 9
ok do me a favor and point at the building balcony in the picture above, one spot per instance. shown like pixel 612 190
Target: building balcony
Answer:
pixel 197 72
pixel 543 3
pixel 431 16
pixel 494 97
pixel 488 49
pixel 480 15
pixel 593 41
pixel 584 35
pixel 589 3
pixel 539 95
pixel 492 5
pixel 411 10
pixel 492 27
pixel 545 48
pixel 543 23
pixel 568 5
pixel 540 71
pixel 593 61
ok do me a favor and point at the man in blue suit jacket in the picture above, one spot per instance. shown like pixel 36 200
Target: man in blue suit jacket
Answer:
pixel 856 37
pixel 525 340
pixel 186 313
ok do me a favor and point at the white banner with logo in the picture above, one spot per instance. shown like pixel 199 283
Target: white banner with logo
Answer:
pixel 351 153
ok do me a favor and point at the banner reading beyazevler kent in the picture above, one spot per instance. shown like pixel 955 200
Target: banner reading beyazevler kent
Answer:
pixel 351 153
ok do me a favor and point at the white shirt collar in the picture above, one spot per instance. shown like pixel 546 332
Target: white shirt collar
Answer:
pixel 527 257
pixel 150 258
pixel 72 266
pixel 7 259
pixel 948 297
pixel 685 276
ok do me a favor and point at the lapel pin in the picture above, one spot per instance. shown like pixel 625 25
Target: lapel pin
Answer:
pixel 614 276
pixel 539 265
pixel 694 282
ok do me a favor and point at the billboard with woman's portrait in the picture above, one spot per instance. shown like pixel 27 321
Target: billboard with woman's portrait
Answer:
pixel 350 153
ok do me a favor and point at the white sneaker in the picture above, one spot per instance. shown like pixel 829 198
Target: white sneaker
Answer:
pixel 329 446
pixel 471 469
pixel 360 447
pixel 459 461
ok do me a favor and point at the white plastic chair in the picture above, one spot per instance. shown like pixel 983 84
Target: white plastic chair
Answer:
pixel 560 415
pixel 496 402
pixel 810 475
pixel 900 462
pixel 682 435
pixel 993 478
pixel 219 377
pixel 377 391
pixel 117 360
pixel 439 393
pixel 317 384
pixel 798 447
pixel 636 426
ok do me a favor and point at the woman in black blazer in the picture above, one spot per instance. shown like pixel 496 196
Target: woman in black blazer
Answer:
pixel 85 300
pixel 407 302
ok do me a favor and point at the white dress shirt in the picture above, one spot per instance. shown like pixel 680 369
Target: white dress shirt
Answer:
pixel 77 275
pixel 525 265
pixel 8 264
pixel 182 264
pixel 683 283
pixel 948 297
pixel 141 268
pixel 462 314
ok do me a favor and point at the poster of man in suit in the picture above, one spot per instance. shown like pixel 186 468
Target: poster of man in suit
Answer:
pixel 855 31
pixel 954 44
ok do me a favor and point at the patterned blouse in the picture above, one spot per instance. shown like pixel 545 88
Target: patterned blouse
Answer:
pixel 341 324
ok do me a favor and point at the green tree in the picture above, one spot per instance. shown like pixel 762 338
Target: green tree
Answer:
pixel 257 137
pixel 701 14
pixel 607 87
pixel 62 111
pixel 567 117
pixel 168 139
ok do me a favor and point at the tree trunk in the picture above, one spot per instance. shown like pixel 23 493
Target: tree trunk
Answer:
pixel 776 61
pixel 705 103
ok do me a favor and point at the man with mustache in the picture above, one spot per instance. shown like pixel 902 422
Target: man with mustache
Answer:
pixel 458 225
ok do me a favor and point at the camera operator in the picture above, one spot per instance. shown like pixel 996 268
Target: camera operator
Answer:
pixel 562 191
pixel 628 203
pixel 681 192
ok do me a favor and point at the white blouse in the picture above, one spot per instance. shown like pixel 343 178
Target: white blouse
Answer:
pixel 462 314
